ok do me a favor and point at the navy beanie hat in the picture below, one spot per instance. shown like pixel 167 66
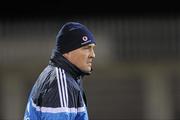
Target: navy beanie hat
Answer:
pixel 72 36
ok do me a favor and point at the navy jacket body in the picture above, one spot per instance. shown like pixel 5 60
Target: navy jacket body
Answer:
pixel 58 93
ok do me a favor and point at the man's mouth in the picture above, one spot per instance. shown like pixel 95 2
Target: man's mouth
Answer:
pixel 90 63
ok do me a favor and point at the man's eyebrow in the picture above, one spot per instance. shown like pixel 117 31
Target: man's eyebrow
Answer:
pixel 89 46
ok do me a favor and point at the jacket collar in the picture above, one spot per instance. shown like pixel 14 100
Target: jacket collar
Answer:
pixel 59 60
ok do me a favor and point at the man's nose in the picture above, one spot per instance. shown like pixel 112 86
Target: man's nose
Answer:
pixel 92 54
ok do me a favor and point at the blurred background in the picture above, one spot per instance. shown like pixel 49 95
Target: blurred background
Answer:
pixel 136 70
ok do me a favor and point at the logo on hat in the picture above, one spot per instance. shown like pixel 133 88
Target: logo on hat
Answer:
pixel 84 38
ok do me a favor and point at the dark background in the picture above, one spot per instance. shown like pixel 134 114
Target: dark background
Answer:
pixel 136 72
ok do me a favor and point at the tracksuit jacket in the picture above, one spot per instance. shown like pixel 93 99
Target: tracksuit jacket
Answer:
pixel 58 93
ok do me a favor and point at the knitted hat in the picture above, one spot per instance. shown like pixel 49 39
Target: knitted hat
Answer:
pixel 72 36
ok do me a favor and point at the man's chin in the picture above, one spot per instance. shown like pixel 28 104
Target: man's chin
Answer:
pixel 87 71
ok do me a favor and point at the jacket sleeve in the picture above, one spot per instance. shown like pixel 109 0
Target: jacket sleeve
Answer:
pixel 47 106
pixel 31 113
pixel 34 112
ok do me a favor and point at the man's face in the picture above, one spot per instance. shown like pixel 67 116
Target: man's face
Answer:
pixel 82 57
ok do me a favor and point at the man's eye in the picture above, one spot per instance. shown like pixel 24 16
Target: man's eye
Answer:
pixel 86 47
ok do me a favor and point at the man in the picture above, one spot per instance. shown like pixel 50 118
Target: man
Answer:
pixel 58 93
